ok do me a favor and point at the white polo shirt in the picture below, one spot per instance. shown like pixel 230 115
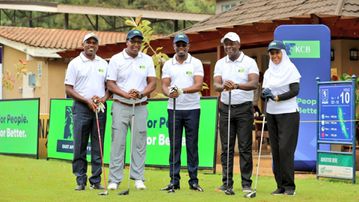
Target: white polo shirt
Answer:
pixel 236 71
pixel 284 106
pixel 87 76
pixel 130 73
pixel 182 76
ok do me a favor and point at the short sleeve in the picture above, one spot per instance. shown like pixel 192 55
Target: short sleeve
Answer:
pixel 253 69
pixel 70 78
pixel 166 70
pixel 198 68
pixel 106 68
pixel 217 69
pixel 112 70
pixel 151 72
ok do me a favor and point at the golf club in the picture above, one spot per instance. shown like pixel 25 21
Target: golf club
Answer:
pixel 228 190
pixel 172 190
pixel 253 193
pixel 105 192
pixel 127 192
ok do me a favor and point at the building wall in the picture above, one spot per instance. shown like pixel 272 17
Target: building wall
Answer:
pixel 10 59
pixel 49 77
pixel 57 75
pixel 342 63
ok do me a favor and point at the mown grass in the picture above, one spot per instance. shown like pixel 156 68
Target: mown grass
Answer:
pixel 28 179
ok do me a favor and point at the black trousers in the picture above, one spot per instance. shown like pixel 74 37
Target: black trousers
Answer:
pixel 85 127
pixel 189 120
pixel 283 136
pixel 241 127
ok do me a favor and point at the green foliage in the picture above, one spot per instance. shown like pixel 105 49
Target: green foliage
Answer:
pixel 158 57
pixel 107 22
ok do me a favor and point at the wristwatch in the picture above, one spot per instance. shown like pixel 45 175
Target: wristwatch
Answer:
pixel 140 95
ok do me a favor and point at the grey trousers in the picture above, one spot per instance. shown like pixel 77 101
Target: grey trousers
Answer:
pixel 121 121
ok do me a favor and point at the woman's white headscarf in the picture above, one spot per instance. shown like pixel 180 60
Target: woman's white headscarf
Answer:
pixel 281 74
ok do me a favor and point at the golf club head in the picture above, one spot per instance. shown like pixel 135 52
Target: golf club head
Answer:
pixel 229 192
pixel 250 194
pixel 172 190
pixel 104 193
pixel 126 192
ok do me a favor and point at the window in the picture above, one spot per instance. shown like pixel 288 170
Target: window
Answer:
pixel 228 6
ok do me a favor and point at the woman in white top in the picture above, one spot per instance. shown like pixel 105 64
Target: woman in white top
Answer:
pixel 280 88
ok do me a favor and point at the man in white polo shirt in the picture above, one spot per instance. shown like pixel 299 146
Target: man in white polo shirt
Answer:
pixel 85 83
pixel 237 73
pixel 131 78
pixel 182 79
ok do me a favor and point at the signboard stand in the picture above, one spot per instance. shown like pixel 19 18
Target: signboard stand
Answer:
pixel 19 126
pixel 60 138
pixel 308 47
pixel 336 126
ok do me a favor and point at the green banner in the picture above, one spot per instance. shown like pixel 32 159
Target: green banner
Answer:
pixel 60 134
pixel 335 165
pixel 303 49
pixel 19 121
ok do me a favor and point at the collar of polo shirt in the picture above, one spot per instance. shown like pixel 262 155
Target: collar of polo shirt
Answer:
pixel 188 59
pixel 126 56
pixel 85 59
pixel 239 59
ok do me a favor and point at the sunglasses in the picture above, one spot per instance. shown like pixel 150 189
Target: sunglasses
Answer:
pixel 135 42
pixel 179 45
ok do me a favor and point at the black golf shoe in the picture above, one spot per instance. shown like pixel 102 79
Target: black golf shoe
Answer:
pixel 289 192
pixel 96 186
pixel 222 188
pixel 278 191
pixel 80 187
pixel 246 189
pixel 196 187
pixel 229 191
pixel 170 187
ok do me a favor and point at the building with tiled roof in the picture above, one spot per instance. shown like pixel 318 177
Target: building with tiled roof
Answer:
pixel 36 49
pixel 42 42
pixel 255 22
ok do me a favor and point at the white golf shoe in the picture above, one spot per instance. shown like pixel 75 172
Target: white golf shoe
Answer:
pixel 140 185
pixel 112 186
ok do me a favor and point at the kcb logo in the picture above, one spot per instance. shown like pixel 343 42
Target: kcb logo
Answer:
pixel 303 49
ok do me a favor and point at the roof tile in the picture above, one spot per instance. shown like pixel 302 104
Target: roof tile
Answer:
pixel 267 10
pixel 56 38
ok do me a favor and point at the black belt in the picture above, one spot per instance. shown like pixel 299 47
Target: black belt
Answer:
pixel 239 105
pixel 130 105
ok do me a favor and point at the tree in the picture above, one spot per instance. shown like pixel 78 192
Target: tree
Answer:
pixel 159 26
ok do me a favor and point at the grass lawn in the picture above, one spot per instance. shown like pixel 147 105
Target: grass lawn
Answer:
pixel 28 179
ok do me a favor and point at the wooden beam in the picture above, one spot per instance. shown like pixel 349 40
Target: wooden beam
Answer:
pixel 264 27
pixel 315 19
pixel 345 34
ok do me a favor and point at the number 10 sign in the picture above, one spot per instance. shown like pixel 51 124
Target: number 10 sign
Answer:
pixel 336 111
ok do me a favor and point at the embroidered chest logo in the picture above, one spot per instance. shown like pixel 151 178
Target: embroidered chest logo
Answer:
pixel 101 70
pixel 189 73
pixel 241 70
